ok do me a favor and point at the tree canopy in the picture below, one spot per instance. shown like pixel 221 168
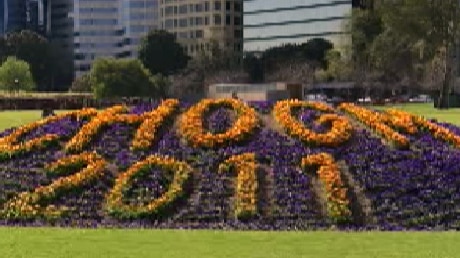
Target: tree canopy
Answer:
pixel 48 64
pixel 111 77
pixel 161 54
pixel 15 75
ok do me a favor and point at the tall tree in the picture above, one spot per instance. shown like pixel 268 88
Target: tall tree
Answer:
pixel 435 24
pixel 34 49
pixel 15 75
pixel 161 54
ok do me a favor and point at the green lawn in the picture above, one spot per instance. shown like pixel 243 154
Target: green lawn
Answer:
pixel 451 115
pixel 54 242
pixel 9 119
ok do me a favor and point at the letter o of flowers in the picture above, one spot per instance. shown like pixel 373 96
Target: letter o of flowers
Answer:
pixel 27 204
pixel 191 123
pixel 10 147
pixel 340 132
pixel 114 201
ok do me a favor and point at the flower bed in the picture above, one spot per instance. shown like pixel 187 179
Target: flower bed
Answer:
pixel 114 181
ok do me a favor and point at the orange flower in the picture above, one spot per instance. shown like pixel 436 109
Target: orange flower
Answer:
pixel 9 145
pixel 340 132
pixel 26 204
pixel 191 123
pixel 329 173
pixel 246 183
pixel 114 203
pixel 145 134
pixel 377 122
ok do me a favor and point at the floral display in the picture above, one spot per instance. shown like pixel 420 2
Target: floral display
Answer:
pixel 191 125
pixel 154 119
pixel 181 172
pixel 341 128
pixel 225 164
pixel 377 122
pixel 29 204
pixel 11 144
pixel 328 172
pixel 246 183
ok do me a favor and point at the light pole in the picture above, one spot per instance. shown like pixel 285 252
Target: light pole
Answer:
pixel 16 84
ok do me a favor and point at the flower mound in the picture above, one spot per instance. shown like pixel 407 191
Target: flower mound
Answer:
pixel 288 165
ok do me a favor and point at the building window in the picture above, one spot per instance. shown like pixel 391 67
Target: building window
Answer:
pixel 183 9
pixel 206 6
pixel 237 20
pixel 198 8
pixel 169 10
pixel 217 19
pixel 228 20
pixel 228 5
pixel 198 21
pixel 199 34
pixel 237 7
pixel 217 5
pixel 183 22
pixel 192 22
pixel 206 20
pixel 238 34
pixel 191 7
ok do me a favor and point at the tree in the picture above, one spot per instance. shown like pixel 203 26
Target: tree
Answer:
pixel 125 78
pixel 253 65
pixel 338 68
pixel 315 50
pixel 365 26
pixel 161 54
pixel 81 84
pixel 32 48
pixel 433 24
pixel 15 75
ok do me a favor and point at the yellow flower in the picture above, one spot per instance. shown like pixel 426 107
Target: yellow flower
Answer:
pixel 191 123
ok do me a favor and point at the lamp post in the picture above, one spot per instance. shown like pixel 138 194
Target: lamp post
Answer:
pixel 16 84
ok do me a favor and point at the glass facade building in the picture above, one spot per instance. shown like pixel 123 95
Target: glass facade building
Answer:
pixel 269 23
pixel 110 28
pixel 12 16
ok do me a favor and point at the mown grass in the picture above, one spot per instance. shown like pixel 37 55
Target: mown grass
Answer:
pixel 426 109
pixel 55 242
pixel 10 119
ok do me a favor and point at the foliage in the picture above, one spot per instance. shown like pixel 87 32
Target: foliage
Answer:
pixel 15 75
pixel 125 78
pixel 431 24
pixel 81 84
pixel 48 62
pixel 338 68
pixel 161 54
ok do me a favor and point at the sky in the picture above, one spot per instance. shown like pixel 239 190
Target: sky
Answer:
pixel 334 14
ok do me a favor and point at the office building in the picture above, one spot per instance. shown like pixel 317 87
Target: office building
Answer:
pixel 109 28
pixel 17 15
pixel 12 16
pixel 197 24
pixel 270 23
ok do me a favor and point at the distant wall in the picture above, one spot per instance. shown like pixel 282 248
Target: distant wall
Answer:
pixel 62 103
